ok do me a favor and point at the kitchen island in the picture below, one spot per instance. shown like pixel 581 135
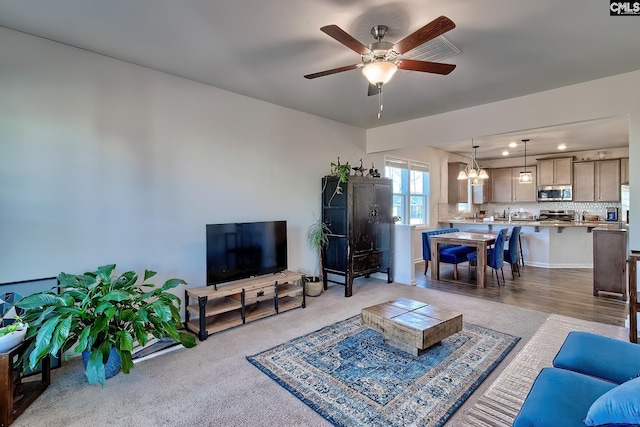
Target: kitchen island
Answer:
pixel 547 244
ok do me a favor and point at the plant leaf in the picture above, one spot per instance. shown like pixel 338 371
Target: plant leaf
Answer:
pixel 172 283
pixel 82 340
pixel 99 325
pixel 37 300
pixel 104 272
pixel 95 368
pixel 187 340
pixel 43 339
pixel 162 311
pixel 148 274
pixel 60 335
pixel 103 306
pixel 126 340
pixel 116 296
pixel 126 362
pixel 127 280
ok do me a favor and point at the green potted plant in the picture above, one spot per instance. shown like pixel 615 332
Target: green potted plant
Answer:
pixel 317 239
pixel 342 172
pixel 101 314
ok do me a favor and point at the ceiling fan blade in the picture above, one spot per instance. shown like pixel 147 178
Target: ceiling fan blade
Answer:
pixel 432 30
pixel 373 90
pixel 329 72
pixel 343 37
pixel 426 66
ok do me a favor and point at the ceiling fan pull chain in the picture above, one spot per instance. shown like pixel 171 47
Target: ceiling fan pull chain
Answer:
pixel 379 101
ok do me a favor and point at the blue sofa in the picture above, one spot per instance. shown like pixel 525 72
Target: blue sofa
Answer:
pixel 594 381
pixel 451 254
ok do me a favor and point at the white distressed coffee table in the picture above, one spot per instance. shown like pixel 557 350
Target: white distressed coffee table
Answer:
pixel 411 326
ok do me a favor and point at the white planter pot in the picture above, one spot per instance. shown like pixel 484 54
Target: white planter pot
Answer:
pixel 12 339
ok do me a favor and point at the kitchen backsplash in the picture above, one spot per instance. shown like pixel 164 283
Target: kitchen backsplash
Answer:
pixel 533 209
pixel 449 210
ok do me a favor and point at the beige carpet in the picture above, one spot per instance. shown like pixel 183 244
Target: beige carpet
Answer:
pixel 214 385
pixel 500 404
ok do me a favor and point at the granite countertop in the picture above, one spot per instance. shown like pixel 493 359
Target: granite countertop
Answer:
pixel 500 221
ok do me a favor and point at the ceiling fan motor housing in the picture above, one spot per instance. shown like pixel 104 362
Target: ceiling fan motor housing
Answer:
pixel 379 31
pixel 380 49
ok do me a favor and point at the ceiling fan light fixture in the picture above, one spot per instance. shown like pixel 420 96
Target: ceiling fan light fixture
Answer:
pixel 379 73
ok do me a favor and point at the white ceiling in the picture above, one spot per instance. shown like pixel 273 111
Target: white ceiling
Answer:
pixel 263 48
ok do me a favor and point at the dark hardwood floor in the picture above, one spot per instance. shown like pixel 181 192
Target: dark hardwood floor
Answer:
pixel 566 291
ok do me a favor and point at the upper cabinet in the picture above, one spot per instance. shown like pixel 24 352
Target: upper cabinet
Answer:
pixel 482 193
pixel 458 189
pixel 506 187
pixel 624 171
pixel 608 180
pixel 555 171
pixel 584 182
pixel 524 192
pixel 596 181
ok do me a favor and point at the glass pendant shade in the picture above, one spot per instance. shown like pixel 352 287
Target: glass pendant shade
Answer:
pixel 379 72
pixel 525 178
pixel 483 174
pixel 462 176
pixel 476 182
pixel 473 173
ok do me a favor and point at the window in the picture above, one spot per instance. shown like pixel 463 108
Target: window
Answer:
pixel 410 190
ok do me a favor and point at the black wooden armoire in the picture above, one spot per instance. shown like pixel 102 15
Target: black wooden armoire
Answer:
pixel 361 223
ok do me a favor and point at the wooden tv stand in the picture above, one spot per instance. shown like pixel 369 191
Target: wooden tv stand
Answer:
pixel 236 303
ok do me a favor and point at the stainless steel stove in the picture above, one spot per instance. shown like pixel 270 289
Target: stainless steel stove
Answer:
pixel 557 215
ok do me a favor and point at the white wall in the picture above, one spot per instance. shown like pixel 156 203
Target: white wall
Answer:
pixel 102 161
pixel 607 97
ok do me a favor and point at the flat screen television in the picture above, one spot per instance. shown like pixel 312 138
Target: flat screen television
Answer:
pixel 242 250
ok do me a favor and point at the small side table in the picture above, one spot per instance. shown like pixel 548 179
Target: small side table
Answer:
pixel 11 406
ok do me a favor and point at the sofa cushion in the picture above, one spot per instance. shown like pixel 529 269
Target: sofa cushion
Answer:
pixel 560 398
pixel 599 356
pixel 619 406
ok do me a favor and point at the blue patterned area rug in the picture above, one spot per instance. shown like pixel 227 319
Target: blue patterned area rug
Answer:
pixel 347 374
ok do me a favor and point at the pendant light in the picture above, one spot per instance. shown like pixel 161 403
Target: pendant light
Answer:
pixel 525 175
pixel 473 171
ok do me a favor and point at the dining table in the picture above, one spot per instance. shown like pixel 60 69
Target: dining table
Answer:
pixel 481 241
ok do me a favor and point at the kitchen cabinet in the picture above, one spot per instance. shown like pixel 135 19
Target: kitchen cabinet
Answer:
pixel 555 171
pixel 458 189
pixel 506 188
pixel 610 261
pixel 596 181
pixel 608 180
pixel 584 178
pixel 482 193
pixel 624 171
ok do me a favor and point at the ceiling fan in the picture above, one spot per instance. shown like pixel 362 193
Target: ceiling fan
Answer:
pixel 381 59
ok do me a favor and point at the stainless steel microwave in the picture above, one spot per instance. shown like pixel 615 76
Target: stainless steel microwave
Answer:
pixel 554 193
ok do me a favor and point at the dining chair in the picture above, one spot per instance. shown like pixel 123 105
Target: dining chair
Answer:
pixel 495 255
pixel 511 254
